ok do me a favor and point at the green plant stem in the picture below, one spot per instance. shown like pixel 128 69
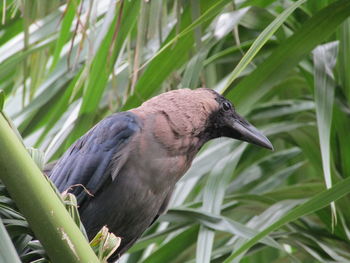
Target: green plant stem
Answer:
pixel 35 198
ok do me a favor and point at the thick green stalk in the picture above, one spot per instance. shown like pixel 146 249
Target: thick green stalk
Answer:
pixel 33 195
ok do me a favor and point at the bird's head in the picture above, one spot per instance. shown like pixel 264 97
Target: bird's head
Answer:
pixel 226 122
pixel 200 113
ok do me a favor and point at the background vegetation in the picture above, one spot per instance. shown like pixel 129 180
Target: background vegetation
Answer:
pixel 64 65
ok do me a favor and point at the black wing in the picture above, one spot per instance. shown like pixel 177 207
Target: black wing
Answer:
pixel 89 160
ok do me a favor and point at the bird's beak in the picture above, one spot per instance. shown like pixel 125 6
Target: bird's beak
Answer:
pixel 244 131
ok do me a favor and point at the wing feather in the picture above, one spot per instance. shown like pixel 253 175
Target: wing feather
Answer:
pixel 89 160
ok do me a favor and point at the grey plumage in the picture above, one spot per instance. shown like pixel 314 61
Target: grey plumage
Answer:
pixel 131 161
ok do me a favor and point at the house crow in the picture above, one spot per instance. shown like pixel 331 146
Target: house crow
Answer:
pixel 130 161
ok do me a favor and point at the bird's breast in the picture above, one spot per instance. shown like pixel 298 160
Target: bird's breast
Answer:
pixel 156 167
pixel 163 150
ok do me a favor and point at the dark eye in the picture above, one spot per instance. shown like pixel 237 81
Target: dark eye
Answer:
pixel 226 106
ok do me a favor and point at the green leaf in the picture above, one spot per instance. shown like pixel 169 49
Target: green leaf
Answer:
pixel 173 249
pixel 37 156
pixel 344 57
pixel 8 252
pixel 253 87
pixel 69 13
pixel 215 222
pixel 341 110
pixel 195 65
pixel 324 61
pixel 213 196
pixel 297 191
pixel 256 173
pixel 317 202
pixel 105 244
pixel 2 99
pixel 158 236
pixel 281 108
pixel 342 126
pixel 260 41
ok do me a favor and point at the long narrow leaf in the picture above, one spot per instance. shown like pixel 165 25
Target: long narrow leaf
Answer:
pixel 260 41
pixel 324 60
pixel 8 252
pixel 319 201
pixel 253 87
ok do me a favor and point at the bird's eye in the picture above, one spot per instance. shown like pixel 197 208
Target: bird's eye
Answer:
pixel 226 106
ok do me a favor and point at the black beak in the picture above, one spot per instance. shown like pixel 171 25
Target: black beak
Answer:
pixel 243 130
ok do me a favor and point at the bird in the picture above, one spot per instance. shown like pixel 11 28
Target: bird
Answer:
pixel 129 162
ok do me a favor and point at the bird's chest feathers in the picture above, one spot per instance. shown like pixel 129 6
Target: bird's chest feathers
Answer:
pixel 158 167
